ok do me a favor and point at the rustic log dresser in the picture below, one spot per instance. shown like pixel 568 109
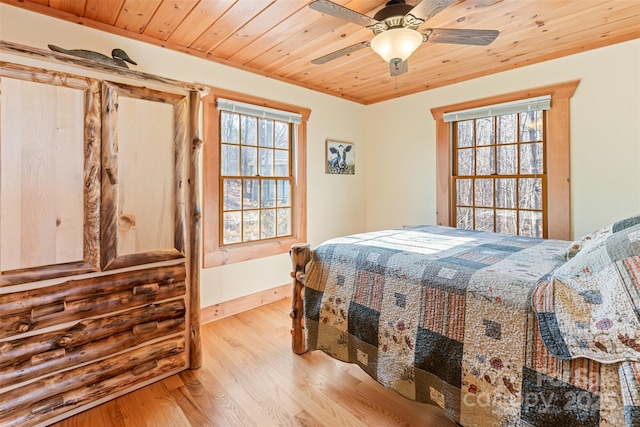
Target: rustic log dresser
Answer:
pixel 99 232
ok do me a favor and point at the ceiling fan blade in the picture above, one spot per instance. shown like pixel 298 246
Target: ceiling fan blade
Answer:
pixel 427 9
pixel 398 68
pixel 338 11
pixel 457 36
pixel 338 53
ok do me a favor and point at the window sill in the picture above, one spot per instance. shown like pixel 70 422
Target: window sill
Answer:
pixel 233 254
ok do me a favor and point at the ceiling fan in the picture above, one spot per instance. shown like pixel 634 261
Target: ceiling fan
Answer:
pixel 395 27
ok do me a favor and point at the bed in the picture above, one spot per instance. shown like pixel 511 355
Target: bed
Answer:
pixel 496 330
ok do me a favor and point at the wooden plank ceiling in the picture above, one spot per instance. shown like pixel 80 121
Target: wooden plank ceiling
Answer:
pixel 279 38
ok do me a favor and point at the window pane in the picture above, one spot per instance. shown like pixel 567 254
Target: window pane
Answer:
pixel 232 200
pixel 282 163
pixel 229 127
pixel 506 193
pixel 284 221
pixel 251 194
pixel 464 218
pixel 254 203
pixel 248 125
pixel 484 192
pixel 266 162
pixel 282 135
pixel 230 158
pixel 499 169
pixel 268 193
pixel 484 219
pixel 507 160
pixel 485 161
pixel 465 161
pixel 268 224
pixel 531 126
pixel 531 158
pixel 465 133
pixel 506 222
pixel 530 224
pixel 265 134
pixel 231 227
pixel 484 131
pixel 507 129
pixel 464 192
pixel 249 155
pixel 250 226
pixel 284 192
pixel 530 193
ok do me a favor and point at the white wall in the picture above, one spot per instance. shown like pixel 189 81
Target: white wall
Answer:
pixel 605 139
pixel 331 117
pixel 395 177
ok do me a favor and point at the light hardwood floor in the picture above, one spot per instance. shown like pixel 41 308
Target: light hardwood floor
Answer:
pixel 250 377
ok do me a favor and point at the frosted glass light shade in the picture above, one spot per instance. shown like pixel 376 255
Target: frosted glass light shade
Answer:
pixel 396 43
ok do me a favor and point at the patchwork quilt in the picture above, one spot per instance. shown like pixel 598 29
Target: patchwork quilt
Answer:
pixel 444 316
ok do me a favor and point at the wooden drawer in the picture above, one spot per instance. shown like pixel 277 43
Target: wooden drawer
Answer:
pixel 77 299
pixel 28 358
pixel 58 393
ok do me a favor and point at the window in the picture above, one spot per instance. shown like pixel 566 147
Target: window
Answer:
pixel 499 173
pixel 544 164
pixel 254 177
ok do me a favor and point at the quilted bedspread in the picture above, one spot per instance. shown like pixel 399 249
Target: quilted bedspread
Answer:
pixel 444 316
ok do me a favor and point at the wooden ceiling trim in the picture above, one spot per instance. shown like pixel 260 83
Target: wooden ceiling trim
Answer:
pixel 229 23
pixel 263 23
pixel 202 17
pixel 167 17
pixel 373 94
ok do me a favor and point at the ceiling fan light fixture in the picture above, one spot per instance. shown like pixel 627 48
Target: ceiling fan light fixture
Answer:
pixel 396 44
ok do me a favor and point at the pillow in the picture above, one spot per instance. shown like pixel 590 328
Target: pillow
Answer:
pixel 590 307
pixel 596 237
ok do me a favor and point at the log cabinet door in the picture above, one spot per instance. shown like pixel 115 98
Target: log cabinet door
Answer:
pixel 49 174
pixel 144 139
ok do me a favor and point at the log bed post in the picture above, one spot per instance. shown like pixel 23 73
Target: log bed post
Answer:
pixel 300 255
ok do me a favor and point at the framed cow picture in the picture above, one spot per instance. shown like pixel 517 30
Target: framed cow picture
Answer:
pixel 340 157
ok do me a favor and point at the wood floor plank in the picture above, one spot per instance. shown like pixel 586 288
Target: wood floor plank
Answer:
pixel 250 377
pixel 213 399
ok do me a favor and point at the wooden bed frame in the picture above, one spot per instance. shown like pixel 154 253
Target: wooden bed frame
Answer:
pixel 300 255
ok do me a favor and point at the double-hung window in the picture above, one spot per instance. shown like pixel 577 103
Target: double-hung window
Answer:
pixel 256 174
pixel 502 163
pixel 254 177
pixel 499 169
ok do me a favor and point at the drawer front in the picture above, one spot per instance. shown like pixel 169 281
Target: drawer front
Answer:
pixel 58 393
pixel 78 299
pixel 28 358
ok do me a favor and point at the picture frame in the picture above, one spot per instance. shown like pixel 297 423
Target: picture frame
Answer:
pixel 340 157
